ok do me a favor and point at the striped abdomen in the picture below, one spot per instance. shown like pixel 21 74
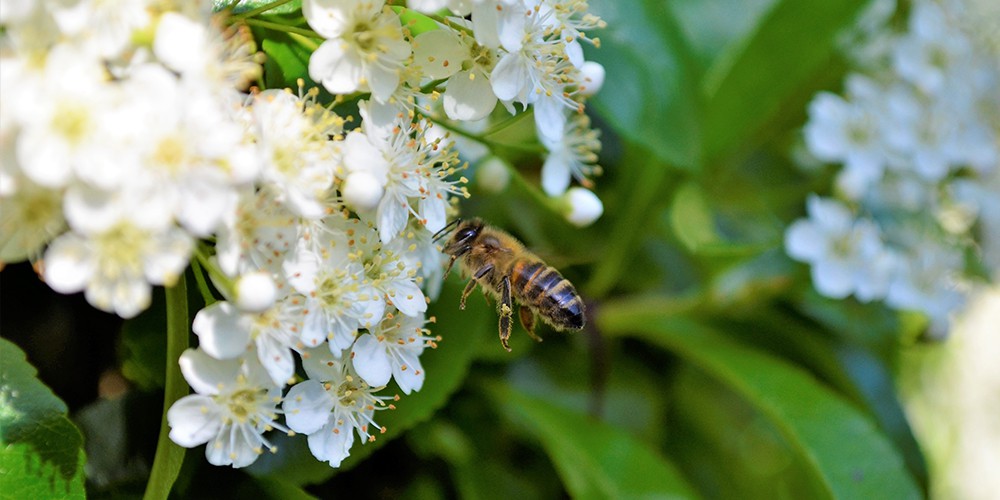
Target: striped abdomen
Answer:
pixel 545 291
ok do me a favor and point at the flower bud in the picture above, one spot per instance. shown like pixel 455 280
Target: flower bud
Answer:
pixel 493 175
pixel 255 292
pixel 583 207
pixel 593 78
pixel 361 190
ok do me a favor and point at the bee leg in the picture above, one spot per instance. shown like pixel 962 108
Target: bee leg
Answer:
pixel 483 271
pixel 465 293
pixel 448 269
pixel 506 311
pixel 528 322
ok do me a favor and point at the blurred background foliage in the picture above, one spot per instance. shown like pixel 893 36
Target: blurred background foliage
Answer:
pixel 709 368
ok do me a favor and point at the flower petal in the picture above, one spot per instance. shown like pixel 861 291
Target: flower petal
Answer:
pixel 408 298
pixel 370 361
pixel 207 375
pixel 307 407
pixel 193 420
pixel 332 443
pixel 469 96
pixel 223 330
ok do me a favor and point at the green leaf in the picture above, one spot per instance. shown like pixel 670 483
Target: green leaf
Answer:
pixel 594 459
pixel 710 27
pixel 414 21
pixel 745 87
pixel 287 61
pixel 847 455
pixel 446 368
pixel 649 94
pixel 691 218
pixel 241 6
pixel 41 451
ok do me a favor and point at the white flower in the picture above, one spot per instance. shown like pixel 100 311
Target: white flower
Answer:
pixel 926 282
pixel 298 159
pixel 226 332
pixel 572 155
pixel 326 270
pixel 365 49
pixel 222 61
pixel 392 350
pixel 419 250
pixel 331 406
pixel 584 206
pixel 456 56
pixel 847 255
pixel 850 132
pixel 926 133
pixel 65 126
pixel 411 169
pixel 118 248
pixel 256 235
pixel 255 291
pixel 929 54
pixel 493 174
pixel 390 277
pixel 593 78
pixel 30 216
pixel 234 404
pixel 109 26
pixel 537 67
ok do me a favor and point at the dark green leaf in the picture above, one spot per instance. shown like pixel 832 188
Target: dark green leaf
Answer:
pixel 287 61
pixel 594 459
pixel 446 368
pixel 847 455
pixel 649 93
pixel 728 449
pixel 747 86
pixel 41 451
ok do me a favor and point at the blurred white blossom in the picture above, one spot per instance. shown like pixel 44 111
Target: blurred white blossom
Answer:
pixel 917 136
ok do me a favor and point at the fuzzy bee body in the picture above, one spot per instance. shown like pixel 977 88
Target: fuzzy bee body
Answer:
pixel 507 271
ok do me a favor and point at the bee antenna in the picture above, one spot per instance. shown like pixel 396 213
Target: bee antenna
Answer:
pixel 446 229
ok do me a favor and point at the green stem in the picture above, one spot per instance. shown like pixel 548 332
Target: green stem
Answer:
pixel 203 288
pixel 170 456
pixel 223 283
pixel 533 149
pixel 508 122
pixel 304 41
pixel 282 27
pixel 551 204
pixel 258 10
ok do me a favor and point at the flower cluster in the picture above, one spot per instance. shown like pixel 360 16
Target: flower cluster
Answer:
pixel 132 144
pixel 918 137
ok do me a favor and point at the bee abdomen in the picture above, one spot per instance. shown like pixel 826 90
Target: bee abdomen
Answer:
pixel 545 290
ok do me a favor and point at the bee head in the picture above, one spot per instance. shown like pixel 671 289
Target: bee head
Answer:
pixel 466 231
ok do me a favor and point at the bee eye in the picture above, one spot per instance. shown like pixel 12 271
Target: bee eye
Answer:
pixel 465 234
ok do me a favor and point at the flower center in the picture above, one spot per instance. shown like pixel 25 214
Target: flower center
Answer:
pixel 243 404
pixel 364 38
pixel 170 154
pixel 121 249
pixel 482 57
pixel 72 122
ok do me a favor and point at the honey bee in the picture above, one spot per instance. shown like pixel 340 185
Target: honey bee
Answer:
pixel 506 270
